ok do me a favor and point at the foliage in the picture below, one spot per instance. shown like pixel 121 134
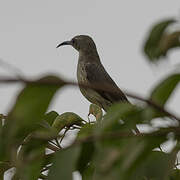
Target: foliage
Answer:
pixel 106 148
pixel 160 41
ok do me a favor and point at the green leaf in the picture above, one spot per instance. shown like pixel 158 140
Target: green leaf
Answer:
pixel 156 43
pixel 175 174
pixel 85 131
pixel 64 164
pixel 161 93
pixel 155 166
pixel 169 41
pixel 48 159
pixel 124 159
pixel 88 173
pixel 87 148
pixel 32 104
pixel 28 111
pixel 67 119
pixel 120 154
pixel 86 154
pixel 4 166
pixel 120 117
pixel 1 120
pixel 50 117
pixel 30 158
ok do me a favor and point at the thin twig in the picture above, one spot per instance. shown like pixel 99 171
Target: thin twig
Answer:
pixel 119 134
pixel 46 168
pixel 153 104
pixel 160 148
pixel 42 176
pixel 11 68
pixel 74 127
pixel 57 142
pixel 62 137
pixel 53 143
pixel 52 147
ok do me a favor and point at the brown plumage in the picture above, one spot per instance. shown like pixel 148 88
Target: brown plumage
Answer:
pixel 91 72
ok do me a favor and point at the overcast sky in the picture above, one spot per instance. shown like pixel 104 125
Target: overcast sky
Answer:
pixel 31 30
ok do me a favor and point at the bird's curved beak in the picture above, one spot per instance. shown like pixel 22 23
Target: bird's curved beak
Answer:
pixel 64 43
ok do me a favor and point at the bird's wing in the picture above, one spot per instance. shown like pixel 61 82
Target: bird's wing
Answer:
pixel 96 74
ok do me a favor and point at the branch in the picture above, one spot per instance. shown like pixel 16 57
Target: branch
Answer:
pixel 11 68
pixel 52 147
pixel 120 134
pixel 97 86
pixel 153 104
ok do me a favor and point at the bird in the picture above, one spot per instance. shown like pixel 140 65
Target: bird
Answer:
pixel 91 72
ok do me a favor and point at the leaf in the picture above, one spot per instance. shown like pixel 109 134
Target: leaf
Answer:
pixel 45 131
pixel 155 166
pixel 4 166
pixel 1 120
pixel 120 154
pixel 169 41
pixel 67 119
pixel 88 173
pixel 158 41
pixel 86 154
pixel 32 104
pixel 87 148
pixel 48 159
pixel 85 131
pixel 50 117
pixel 161 93
pixel 120 117
pixel 96 111
pixel 124 159
pixel 30 158
pixel 175 174
pixel 64 164
pixel 28 111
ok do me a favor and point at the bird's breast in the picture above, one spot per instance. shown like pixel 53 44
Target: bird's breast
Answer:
pixel 81 74
pixel 90 94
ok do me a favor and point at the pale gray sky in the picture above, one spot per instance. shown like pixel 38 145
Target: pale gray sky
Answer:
pixel 30 31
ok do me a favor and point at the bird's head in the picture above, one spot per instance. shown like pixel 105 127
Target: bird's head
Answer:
pixel 81 43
